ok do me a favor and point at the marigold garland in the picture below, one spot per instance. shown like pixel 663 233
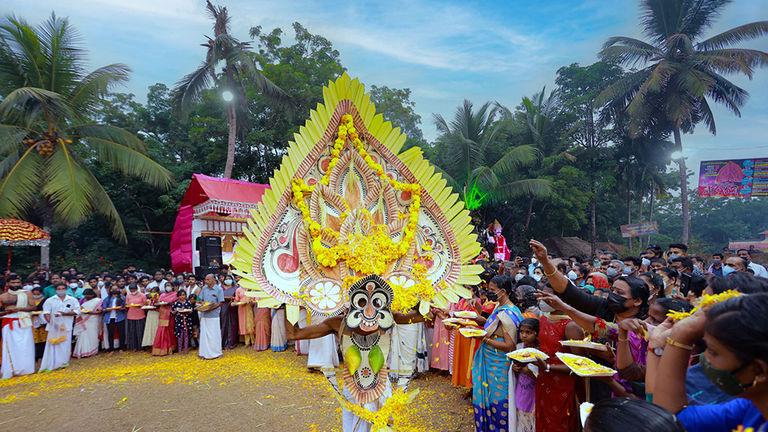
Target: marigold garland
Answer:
pixel 707 300
pixel 364 254
pixel 388 414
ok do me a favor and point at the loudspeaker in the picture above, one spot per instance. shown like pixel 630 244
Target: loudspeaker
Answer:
pixel 210 251
pixel 201 271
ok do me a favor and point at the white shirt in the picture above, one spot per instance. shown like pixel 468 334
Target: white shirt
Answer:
pixel 154 284
pixel 56 305
pixel 759 270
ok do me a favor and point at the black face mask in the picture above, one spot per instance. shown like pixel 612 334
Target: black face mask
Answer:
pixel 616 303
pixel 492 296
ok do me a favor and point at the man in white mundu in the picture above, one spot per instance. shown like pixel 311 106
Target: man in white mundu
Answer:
pixel 59 311
pixel 18 341
pixel 211 297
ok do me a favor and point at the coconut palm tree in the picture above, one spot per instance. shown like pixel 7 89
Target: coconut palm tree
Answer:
pixel 680 72
pixel 48 140
pixel 239 68
pixel 469 136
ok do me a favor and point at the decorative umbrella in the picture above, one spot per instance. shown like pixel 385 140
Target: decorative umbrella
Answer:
pixel 15 232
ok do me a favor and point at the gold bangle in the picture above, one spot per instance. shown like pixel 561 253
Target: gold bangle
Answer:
pixel 550 274
pixel 677 344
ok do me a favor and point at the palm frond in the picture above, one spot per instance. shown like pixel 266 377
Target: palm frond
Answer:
pixel 102 204
pixel 624 88
pixel 62 57
pixel 128 160
pixel 189 89
pixel 727 93
pixel 20 179
pixel 730 37
pixel 67 187
pixel 729 60
pixel 485 178
pixel 263 84
pixel 111 133
pixel 516 158
pixel 10 139
pixel 660 18
pixel 628 51
pixel 657 79
pixel 12 73
pixel 25 43
pixel 707 117
pixel 534 188
pixel 27 103
pixel 94 86
pixel 698 15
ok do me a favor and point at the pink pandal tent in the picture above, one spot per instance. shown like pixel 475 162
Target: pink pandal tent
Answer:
pixel 211 206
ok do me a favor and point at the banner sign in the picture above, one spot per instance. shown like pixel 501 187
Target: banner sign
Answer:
pixel 639 229
pixel 742 178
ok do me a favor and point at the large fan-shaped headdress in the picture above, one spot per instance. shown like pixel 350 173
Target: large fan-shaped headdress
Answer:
pixel 344 205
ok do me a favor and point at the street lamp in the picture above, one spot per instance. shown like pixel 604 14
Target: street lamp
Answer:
pixel 227 96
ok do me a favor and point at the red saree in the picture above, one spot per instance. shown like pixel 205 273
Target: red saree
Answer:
pixel 555 391
pixel 165 341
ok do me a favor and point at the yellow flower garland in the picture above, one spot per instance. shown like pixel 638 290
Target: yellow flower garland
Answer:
pixel 380 420
pixel 707 300
pixel 369 254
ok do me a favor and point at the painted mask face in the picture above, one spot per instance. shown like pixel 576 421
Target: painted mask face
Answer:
pixel 370 301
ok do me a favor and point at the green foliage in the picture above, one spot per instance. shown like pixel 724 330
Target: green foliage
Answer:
pixel 50 145
pixel 397 107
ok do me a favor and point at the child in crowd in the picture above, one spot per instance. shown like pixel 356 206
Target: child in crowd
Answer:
pixel 525 389
pixel 193 335
pixel 183 310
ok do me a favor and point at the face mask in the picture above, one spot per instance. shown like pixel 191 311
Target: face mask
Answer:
pixel 492 296
pixel 626 271
pixel 61 293
pixel 228 281
pixel 518 277
pixel 596 263
pixel 724 380
pixel 27 287
pixel 73 285
pixel 100 284
pixel 611 272
pixel 727 269
pixel 616 303
pixel 673 256
pixel 572 275
pixel 545 307
pixel 536 277
pixel 646 262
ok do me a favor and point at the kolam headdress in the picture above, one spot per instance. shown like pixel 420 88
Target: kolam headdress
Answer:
pixel 346 203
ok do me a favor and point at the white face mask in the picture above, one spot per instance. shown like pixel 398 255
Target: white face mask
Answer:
pixel 518 277
pixel 73 285
pixel 545 307
pixel 100 284
pixel 572 275
pixel 61 293
pixel 536 277
pixel 228 281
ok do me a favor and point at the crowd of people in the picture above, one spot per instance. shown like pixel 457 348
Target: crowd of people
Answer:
pixel 707 372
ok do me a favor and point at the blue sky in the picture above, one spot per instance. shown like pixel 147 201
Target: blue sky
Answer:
pixel 444 51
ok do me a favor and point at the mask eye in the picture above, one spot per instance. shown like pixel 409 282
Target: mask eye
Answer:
pixel 361 302
pixel 378 300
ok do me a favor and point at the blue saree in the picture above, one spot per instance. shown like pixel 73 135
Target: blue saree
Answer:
pixel 490 379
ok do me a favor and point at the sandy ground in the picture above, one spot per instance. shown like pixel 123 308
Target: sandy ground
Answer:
pixel 244 390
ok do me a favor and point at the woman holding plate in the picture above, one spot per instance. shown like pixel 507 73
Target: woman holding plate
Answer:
pixel 492 390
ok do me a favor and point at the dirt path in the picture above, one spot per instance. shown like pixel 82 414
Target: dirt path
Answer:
pixel 245 390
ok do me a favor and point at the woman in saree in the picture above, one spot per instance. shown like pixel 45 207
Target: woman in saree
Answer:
pixel 462 349
pixel 165 341
pixel 228 316
pixel 88 326
pixel 152 320
pixel 246 326
pixel 262 328
pixel 491 386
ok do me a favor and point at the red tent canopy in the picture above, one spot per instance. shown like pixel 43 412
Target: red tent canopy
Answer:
pixel 220 196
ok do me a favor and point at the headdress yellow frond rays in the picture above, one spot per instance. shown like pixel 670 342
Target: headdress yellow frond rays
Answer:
pixel 345 204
